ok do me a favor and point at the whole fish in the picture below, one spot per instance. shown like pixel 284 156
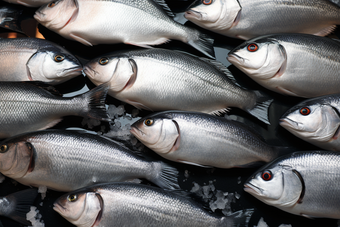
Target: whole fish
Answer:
pixel 303 183
pixel 202 139
pixel 17 205
pixel 66 160
pixel 139 22
pixel 27 59
pixel 291 64
pixel 316 121
pixel 159 79
pixel 128 204
pixel 25 107
pixel 246 19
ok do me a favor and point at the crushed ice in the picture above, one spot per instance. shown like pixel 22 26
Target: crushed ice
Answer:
pixel 35 217
pixel 42 190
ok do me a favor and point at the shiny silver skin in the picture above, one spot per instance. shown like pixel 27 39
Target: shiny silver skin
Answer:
pixel 246 19
pixel 159 79
pixel 291 64
pixel 316 121
pixel 127 204
pixel 202 139
pixel 65 160
pixel 140 22
pixel 27 59
pixel 25 107
pixel 304 183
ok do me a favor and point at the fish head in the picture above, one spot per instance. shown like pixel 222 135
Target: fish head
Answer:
pixel 57 14
pixel 276 184
pixel 260 58
pixel 312 121
pixel 53 66
pixel 120 72
pixel 217 14
pixel 158 132
pixel 16 158
pixel 81 208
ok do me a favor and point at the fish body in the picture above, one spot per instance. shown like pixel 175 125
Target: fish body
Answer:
pixel 246 19
pixel 202 139
pixel 68 160
pixel 303 183
pixel 26 107
pixel 316 121
pixel 32 59
pixel 291 64
pixel 127 204
pixel 159 79
pixel 139 22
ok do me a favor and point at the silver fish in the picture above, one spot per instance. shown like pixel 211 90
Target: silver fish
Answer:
pixel 66 160
pixel 202 139
pixel 127 204
pixel 302 183
pixel 27 59
pixel 316 121
pixel 291 64
pixel 159 79
pixel 246 19
pixel 25 107
pixel 17 205
pixel 139 22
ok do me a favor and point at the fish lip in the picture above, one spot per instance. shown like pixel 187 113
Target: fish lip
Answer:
pixel 289 123
pixel 134 130
pixel 238 58
pixel 73 69
pixel 56 205
pixel 252 189
pixel 193 12
pixel 88 71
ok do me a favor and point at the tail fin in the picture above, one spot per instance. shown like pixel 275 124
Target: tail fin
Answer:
pixel 96 103
pixel 202 42
pixel 260 111
pixel 20 203
pixel 164 176
pixel 238 218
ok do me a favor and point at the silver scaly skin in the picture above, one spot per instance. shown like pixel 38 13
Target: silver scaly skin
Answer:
pixel 316 121
pixel 202 139
pixel 69 160
pixel 303 183
pixel 291 64
pixel 27 59
pixel 127 204
pixel 246 19
pixel 180 82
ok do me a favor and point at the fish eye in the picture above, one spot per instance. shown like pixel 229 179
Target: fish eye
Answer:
pixel 148 122
pixel 3 148
pixel 305 111
pixel 72 198
pixel 52 4
pixel 252 47
pixel 59 58
pixel 207 2
pixel 267 175
pixel 103 61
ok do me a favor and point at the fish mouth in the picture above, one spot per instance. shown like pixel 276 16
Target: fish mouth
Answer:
pixel 290 124
pixel 252 189
pixel 38 15
pixel 193 14
pixel 88 71
pixel 58 207
pixel 136 131
pixel 71 71
pixel 234 58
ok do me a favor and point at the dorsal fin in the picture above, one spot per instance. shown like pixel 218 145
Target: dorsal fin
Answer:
pixel 166 8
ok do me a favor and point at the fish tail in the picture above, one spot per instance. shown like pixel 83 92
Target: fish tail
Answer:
pixel 22 200
pixel 164 176
pixel 202 42
pixel 95 99
pixel 238 218
pixel 260 111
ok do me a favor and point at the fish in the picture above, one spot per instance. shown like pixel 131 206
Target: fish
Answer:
pixel 26 107
pixel 66 160
pixel 247 19
pixel 304 183
pixel 316 121
pixel 29 3
pixel 204 140
pixel 128 204
pixel 33 59
pixel 10 18
pixel 142 23
pixel 17 205
pixel 160 79
pixel 291 64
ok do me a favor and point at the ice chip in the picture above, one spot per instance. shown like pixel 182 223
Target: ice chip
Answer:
pixel 262 223
pixel 42 190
